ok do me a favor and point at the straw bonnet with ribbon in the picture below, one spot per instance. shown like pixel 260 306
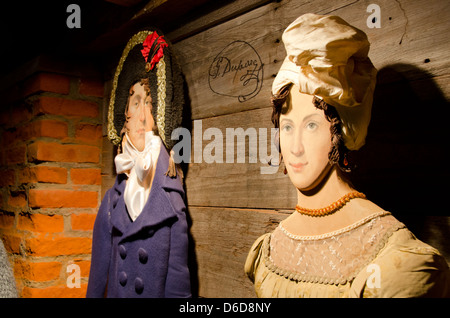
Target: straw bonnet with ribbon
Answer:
pixel 148 55
pixel 328 58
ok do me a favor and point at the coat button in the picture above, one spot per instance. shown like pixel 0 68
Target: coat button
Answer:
pixel 143 255
pixel 122 251
pixel 123 278
pixel 139 285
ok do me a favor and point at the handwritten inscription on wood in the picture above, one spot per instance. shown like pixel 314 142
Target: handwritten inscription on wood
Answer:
pixel 237 71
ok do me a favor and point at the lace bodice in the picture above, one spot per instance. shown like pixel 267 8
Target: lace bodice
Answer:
pixel 339 264
pixel 331 258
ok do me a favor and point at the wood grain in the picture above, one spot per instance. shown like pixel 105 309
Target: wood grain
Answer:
pixel 223 238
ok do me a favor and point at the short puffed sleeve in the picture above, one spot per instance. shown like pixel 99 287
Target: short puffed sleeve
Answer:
pixel 406 267
pixel 254 257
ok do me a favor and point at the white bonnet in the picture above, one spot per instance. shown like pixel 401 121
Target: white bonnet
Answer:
pixel 328 58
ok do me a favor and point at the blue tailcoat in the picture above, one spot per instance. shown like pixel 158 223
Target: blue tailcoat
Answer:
pixel 147 257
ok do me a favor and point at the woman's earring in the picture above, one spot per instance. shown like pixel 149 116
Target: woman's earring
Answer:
pixel 345 161
pixel 285 171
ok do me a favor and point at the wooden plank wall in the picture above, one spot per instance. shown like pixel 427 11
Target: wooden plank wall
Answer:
pixel 402 168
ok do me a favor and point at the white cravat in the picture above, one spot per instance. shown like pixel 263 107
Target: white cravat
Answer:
pixel 138 166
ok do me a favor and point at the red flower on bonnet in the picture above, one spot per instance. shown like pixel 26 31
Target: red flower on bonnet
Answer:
pixel 155 43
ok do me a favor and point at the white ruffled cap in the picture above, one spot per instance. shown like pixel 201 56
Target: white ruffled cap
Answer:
pixel 328 58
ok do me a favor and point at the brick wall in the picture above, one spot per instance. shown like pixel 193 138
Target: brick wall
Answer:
pixel 50 181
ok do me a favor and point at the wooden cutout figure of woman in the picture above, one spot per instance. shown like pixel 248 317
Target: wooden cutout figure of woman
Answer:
pixel 140 238
pixel 336 243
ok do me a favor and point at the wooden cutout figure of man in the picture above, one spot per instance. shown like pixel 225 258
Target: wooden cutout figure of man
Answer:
pixel 140 239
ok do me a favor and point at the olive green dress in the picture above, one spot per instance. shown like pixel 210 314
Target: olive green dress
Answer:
pixel 375 257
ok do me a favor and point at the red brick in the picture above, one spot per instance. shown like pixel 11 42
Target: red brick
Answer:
pixel 43 174
pixel 39 128
pixel 38 272
pixel 15 154
pixel 41 223
pixel 50 128
pixel 62 199
pixel 7 177
pixel 86 176
pixel 66 107
pixel 17 199
pixel 82 222
pixel 89 133
pixel 60 291
pixel 18 134
pixel 10 137
pixel 12 243
pixel 51 151
pixel 47 82
pixel 91 87
pixel 6 220
pixel 85 267
pixel 19 114
pixel 56 246
pixel 2 203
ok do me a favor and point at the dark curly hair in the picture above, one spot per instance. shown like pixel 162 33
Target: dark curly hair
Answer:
pixel 338 153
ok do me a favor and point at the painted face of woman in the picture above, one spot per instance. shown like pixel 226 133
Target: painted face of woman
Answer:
pixel 305 140
pixel 140 119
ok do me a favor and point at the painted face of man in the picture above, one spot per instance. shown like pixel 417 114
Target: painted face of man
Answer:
pixel 139 115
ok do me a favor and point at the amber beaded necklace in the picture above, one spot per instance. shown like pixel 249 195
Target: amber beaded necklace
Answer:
pixel 332 207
